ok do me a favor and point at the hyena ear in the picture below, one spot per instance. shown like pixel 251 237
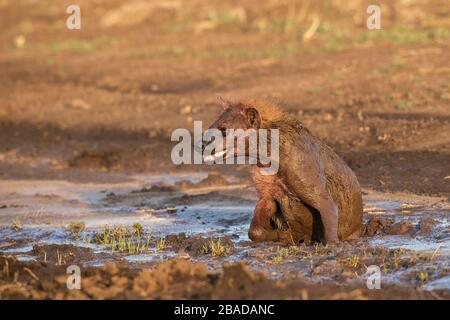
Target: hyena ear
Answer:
pixel 224 102
pixel 253 117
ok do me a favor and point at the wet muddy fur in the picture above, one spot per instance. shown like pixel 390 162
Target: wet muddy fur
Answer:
pixel 313 196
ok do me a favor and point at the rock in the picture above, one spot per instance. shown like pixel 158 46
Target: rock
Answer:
pixel 400 228
pixel 426 225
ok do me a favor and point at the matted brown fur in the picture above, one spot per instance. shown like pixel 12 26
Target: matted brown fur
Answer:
pixel 269 111
pixel 313 196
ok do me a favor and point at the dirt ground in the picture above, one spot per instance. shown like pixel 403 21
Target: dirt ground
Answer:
pixel 95 108
pixel 180 279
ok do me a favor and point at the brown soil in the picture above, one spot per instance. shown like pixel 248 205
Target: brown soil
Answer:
pixel 100 103
pixel 175 279
pixel 63 254
pixel 74 102
pixel 197 245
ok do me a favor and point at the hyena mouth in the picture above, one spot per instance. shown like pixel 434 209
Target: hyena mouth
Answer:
pixel 213 157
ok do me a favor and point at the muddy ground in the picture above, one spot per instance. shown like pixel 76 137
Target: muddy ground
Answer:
pixel 85 123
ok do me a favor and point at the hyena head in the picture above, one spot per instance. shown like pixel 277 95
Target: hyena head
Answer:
pixel 236 116
pixel 233 134
pixel 237 134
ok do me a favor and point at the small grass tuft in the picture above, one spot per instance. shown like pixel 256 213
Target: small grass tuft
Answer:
pixel 76 227
pixel 77 46
pixel 404 105
pixel 353 262
pixel 123 240
pixel 16 224
pixel 138 228
pixel 280 255
pixel 422 276
pixel 217 249
pixel 161 244
pixel 227 17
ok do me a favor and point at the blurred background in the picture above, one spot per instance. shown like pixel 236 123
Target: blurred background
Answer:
pixel 77 104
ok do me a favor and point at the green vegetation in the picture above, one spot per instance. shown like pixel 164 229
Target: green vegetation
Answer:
pixel 314 90
pixel 404 105
pixel 216 248
pixel 161 244
pixel 77 46
pixel 138 228
pixel 16 224
pixel 321 250
pixel 280 255
pixel 393 260
pixel 169 51
pixel 353 262
pixel 405 34
pixel 226 17
pixel 123 240
pixel 422 276
pixel 76 227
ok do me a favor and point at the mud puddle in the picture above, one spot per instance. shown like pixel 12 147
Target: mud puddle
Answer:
pixel 145 221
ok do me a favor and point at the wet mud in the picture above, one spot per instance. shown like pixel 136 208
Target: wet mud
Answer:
pixel 145 237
